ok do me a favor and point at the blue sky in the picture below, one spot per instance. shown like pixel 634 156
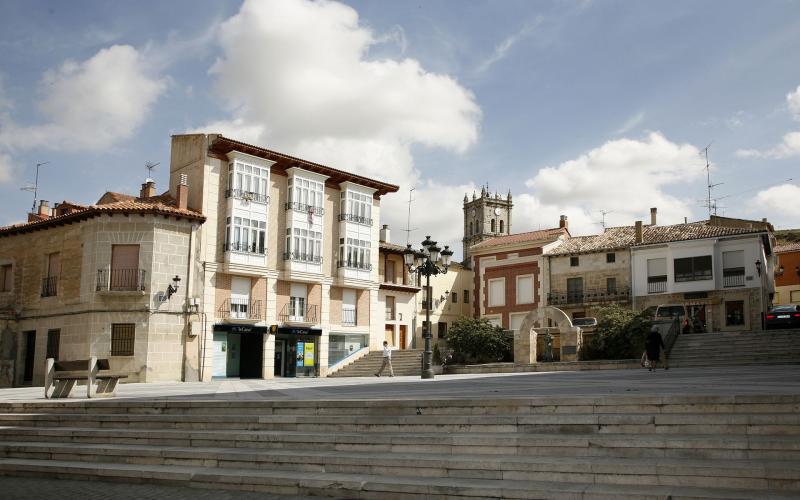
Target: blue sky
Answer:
pixel 577 107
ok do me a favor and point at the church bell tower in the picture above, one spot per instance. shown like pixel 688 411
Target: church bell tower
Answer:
pixel 485 217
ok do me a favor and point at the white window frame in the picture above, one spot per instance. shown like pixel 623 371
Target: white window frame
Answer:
pixel 511 318
pixel 355 253
pixel 346 307
pixel 246 235
pixel 306 193
pixel 491 302
pixel 533 286
pixel 304 245
pixel 249 182
pixel 356 207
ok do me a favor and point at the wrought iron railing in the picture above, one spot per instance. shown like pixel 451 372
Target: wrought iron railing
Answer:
pixel 732 277
pixel 348 317
pixel 245 248
pixel 50 286
pixel 672 335
pixel 356 218
pixel 657 284
pixel 296 314
pixel 349 264
pixel 390 315
pixel 120 280
pixel 588 296
pixel 302 207
pixel 243 309
pixel 241 194
pixel 303 257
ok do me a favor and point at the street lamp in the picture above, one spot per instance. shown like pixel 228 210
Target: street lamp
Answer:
pixel 429 261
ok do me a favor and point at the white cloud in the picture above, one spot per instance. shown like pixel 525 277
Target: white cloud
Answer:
pixel 88 105
pixel 502 49
pixel 789 147
pixel 780 202
pixel 625 177
pixel 793 102
pixel 323 98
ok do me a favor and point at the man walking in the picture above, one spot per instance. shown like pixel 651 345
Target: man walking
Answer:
pixel 387 360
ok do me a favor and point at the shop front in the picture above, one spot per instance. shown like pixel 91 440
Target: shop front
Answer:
pixel 296 351
pixel 238 351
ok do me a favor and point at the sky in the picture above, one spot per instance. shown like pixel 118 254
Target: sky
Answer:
pixel 593 109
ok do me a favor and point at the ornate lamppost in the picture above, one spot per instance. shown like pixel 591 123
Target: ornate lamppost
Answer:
pixel 429 261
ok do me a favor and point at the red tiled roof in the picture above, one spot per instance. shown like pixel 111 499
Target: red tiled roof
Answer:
pixel 158 205
pixel 691 231
pixel 788 247
pixel 513 239
pixel 613 238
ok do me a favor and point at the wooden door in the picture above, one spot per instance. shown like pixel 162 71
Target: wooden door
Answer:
pixel 403 336
pixel 388 335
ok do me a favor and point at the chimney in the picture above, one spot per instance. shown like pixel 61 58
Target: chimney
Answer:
pixel 183 192
pixel 148 189
pixel 44 210
pixel 653 212
pixel 384 236
pixel 563 222
pixel 638 231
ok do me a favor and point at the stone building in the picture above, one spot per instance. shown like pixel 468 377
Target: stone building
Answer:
pixel 286 264
pixel 787 274
pixel 486 217
pixel 98 280
pixel 450 295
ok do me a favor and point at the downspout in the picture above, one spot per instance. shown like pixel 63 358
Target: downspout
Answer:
pixel 186 306
pixel 633 282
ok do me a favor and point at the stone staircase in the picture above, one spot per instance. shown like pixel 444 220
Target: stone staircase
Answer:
pixel 609 447
pixel 404 362
pixel 736 348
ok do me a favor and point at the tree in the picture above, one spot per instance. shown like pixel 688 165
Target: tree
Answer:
pixel 620 334
pixel 475 341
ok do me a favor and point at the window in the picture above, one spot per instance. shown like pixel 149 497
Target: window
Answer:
pixel 470 228
pixel 573 261
pixel 515 320
pixel 794 296
pixel 611 285
pixel 349 307
pixel 466 296
pixel 734 313
pixel 248 182
pixel 390 308
pixel 356 207
pixel 124 268
pixel 441 330
pixel 524 289
pixel 574 290
pixel 304 245
pixel 122 338
pixel 53 343
pixel 611 258
pixel 246 235
pixel 733 268
pixel 656 275
pixel 50 282
pixel 693 268
pixel 454 297
pixel 501 226
pixel 305 195
pixel 497 292
pixel 355 254
pixel 297 301
pixel 493 225
pixel 388 271
pixel 6 278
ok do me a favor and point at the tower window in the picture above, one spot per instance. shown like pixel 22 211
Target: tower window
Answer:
pixel 573 261
pixel 501 227
pixel 470 228
pixel 492 225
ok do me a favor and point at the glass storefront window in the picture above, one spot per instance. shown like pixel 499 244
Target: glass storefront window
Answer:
pixel 341 346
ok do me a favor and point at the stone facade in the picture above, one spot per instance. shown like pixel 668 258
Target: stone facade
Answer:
pixel 485 217
pixel 602 282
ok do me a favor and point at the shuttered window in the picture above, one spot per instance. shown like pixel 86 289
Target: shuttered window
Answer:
pixel 123 336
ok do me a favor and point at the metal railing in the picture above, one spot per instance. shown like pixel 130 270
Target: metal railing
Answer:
pixel 349 264
pixel 240 309
pixel 390 314
pixel 50 286
pixel 657 284
pixel 588 296
pixel 303 257
pixel 302 207
pixel 355 218
pixel 348 317
pixel 732 277
pixel 295 314
pixel 120 280
pixel 245 248
pixel 672 335
pixel 241 194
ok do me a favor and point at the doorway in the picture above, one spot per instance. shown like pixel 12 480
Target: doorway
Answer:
pixel 402 336
pixel 388 335
pixel 29 356
pixel 238 355
pixel 252 355
pixel 280 348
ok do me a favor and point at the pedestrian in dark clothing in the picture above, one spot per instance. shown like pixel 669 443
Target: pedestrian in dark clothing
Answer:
pixel 653 346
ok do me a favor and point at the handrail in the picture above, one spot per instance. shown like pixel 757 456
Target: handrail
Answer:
pixel 241 194
pixel 120 280
pixel 302 207
pixel 248 309
pixel 672 335
pixel 557 297
pixel 310 316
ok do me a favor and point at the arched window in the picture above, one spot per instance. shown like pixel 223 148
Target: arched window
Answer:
pixel 501 226
pixel 470 228
pixel 492 225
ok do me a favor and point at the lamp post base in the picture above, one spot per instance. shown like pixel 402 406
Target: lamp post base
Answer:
pixel 427 374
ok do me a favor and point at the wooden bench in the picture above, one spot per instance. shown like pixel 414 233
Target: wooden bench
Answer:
pixel 62 376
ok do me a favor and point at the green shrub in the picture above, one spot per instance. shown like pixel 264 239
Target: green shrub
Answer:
pixel 620 334
pixel 475 341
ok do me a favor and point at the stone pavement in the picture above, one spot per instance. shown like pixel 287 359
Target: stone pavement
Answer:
pixel 783 379
pixel 25 488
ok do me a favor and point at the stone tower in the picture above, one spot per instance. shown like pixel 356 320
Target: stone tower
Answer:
pixel 485 217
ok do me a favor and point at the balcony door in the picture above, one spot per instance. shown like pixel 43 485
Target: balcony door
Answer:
pixel 124 267
pixel 297 302
pixel 348 307
pixel 574 290
pixel 240 297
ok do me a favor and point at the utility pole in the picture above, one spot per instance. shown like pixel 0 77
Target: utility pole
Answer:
pixel 35 188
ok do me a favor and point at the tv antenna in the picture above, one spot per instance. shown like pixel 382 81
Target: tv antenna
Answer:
pixel 35 188
pixel 603 214
pixel 149 165
pixel 408 229
pixel 711 204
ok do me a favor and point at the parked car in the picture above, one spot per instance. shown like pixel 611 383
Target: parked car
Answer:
pixel 585 323
pixel 689 323
pixel 783 317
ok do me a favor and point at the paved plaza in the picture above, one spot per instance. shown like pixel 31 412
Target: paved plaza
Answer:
pixel 783 379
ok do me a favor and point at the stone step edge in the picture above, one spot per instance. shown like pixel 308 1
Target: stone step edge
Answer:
pixel 325 484
pixel 771 469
